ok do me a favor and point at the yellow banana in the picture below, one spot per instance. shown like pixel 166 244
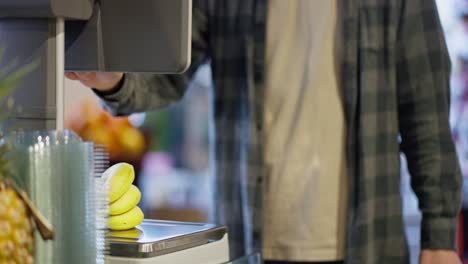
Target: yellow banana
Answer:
pixel 119 178
pixel 126 220
pixel 129 200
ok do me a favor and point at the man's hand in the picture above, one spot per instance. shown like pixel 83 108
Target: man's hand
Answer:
pixel 439 257
pixel 102 81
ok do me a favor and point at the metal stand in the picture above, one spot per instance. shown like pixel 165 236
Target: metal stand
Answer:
pixel 59 71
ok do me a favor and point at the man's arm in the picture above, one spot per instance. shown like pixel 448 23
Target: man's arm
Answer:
pixel 423 72
pixel 127 93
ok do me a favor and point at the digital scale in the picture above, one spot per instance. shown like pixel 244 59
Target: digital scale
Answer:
pixel 159 242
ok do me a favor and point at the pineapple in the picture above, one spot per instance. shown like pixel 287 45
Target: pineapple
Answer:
pixel 16 232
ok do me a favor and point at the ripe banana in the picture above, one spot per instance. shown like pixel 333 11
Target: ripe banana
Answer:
pixel 119 178
pixel 123 197
pixel 125 203
pixel 126 220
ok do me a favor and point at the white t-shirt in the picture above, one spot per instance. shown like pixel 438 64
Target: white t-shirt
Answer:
pixel 306 192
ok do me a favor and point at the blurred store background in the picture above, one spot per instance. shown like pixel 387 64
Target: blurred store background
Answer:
pixel 454 17
pixel 172 151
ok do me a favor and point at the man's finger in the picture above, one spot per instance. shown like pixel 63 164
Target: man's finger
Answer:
pixel 85 76
pixel 71 76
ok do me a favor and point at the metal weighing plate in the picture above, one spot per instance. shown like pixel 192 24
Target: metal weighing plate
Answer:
pixel 155 237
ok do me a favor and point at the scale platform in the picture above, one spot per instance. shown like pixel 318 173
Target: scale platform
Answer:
pixel 157 242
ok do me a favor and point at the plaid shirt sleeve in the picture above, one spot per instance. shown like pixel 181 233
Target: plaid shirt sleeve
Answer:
pixel 423 72
pixel 146 91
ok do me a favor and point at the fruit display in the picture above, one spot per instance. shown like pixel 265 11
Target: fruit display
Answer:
pixel 123 197
pixel 123 141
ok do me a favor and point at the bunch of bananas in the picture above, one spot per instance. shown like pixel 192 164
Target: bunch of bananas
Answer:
pixel 123 197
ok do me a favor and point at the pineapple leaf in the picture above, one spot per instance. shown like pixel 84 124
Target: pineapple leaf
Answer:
pixel 10 81
pixel 8 68
pixel 11 75
pixel 10 78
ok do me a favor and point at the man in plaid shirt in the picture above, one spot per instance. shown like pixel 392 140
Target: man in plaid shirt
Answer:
pixel 392 71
